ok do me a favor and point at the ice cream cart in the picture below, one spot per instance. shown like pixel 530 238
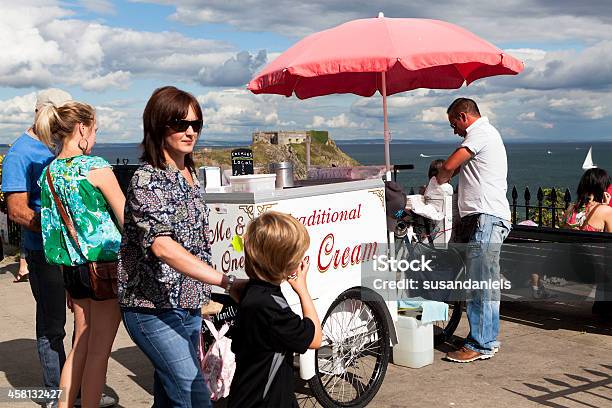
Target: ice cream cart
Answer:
pixel 347 226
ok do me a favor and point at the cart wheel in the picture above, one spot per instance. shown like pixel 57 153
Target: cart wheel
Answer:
pixel 443 331
pixel 352 361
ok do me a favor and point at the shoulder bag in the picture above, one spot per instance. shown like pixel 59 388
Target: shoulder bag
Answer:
pixel 102 275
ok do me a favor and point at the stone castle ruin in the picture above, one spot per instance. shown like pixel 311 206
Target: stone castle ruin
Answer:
pixel 287 137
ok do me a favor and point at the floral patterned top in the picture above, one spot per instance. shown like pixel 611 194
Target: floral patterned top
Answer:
pixel 99 238
pixel 161 202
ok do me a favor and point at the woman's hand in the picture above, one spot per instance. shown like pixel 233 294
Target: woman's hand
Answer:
pixel 298 279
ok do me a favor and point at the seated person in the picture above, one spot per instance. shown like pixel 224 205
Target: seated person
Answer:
pixel 591 211
pixel 426 211
pixel 434 192
pixel 431 204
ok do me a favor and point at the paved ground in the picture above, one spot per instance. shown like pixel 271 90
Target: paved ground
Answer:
pixel 552 355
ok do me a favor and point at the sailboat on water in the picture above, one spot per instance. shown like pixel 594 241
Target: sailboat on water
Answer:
pixel 588 161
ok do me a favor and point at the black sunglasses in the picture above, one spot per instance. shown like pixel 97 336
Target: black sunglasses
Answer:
pixel 181 125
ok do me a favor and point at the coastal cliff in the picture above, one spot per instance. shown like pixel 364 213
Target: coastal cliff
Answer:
pixel 322 153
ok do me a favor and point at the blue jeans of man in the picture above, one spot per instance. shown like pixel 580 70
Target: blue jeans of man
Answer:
pixel 47 284
pixel 482 255
pixel 170 338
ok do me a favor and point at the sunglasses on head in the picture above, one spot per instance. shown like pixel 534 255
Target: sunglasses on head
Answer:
pixel 181 125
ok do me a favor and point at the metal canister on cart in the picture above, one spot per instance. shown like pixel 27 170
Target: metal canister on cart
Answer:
pixel 284 174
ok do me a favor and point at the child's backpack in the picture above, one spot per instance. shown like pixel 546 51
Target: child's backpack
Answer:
pixel 219 363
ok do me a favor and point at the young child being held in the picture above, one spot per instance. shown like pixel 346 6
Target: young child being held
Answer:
pixel 431 204
pixel 267 332
pixel 434 191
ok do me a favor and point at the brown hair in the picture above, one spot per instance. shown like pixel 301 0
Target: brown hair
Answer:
pixel 434 167
pixel 54 124
pixel 166 104
pixel 463 105
pixel 274 246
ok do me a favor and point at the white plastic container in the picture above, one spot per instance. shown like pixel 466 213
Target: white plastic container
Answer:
pixel 253 183
pixel 415 346
pixel 210 177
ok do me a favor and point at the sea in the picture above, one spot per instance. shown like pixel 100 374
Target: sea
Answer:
pixel 530 165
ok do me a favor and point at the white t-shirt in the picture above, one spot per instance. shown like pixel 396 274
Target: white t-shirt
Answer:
pixel 482 179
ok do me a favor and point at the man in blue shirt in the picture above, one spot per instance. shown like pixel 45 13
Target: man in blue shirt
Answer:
pixel 21 169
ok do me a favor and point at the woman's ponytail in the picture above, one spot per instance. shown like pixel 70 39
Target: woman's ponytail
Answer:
pixel 54 125
pixel 47 121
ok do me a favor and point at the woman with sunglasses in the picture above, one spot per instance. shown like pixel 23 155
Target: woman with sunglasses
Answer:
pixel 164 269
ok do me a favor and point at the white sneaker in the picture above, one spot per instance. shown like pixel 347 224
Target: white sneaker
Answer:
pixel 105 401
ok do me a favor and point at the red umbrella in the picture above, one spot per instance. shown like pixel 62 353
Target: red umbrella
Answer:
pixel 388 55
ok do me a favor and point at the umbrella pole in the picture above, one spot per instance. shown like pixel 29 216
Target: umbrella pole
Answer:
pixel 387 136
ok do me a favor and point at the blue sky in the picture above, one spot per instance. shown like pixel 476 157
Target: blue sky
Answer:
pixel 113 54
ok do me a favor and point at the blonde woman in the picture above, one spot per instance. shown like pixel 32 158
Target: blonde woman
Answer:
pixel 90 194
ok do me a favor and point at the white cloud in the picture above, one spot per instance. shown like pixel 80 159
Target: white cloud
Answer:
pixel 110 120
pixel 99 6
pixel 581 103
pixel 43 46
pixel 527 55
pixel 116 123
pixel 339 121
pixel 435 114
pixel 587 69
pixel 238 111
pixel 26 54
pixel 235 71
pixel 514 20
pixel 118 79
pixel 597 112
pixel 16 115
pixel 527 116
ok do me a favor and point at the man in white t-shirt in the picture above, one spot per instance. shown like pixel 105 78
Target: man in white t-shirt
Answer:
pixel 482 166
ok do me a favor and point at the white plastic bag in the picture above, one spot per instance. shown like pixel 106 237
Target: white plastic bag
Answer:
pixel 219 363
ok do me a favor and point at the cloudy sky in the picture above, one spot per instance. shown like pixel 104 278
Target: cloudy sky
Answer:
pixel 113 54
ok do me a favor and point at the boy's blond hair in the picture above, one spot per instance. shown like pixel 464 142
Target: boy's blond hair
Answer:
pixel 274 246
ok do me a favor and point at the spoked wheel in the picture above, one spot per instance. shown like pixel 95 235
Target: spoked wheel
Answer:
pixel 443 331
pixel 352 361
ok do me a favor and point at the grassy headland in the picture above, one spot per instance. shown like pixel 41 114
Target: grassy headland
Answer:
pixel 322 153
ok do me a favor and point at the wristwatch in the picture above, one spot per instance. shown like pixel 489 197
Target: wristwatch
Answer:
pixel 230 282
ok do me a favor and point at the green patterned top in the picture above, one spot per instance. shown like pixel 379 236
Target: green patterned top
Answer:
pixel 91 215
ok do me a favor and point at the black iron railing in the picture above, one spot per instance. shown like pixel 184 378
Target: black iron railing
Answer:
pixel 548 209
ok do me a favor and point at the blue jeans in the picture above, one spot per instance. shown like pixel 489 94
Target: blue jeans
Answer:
pixel 47 284
pixel 483 252
pixel 170 338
